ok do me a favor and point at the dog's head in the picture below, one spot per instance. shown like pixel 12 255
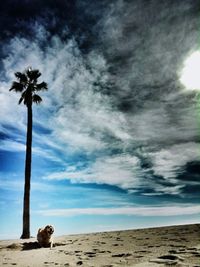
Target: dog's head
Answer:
pixel 49 229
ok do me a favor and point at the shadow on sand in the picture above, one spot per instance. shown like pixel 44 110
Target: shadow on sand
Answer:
pixel 35 245
pixel 30 245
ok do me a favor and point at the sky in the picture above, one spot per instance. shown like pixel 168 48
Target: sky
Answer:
pixel 116 140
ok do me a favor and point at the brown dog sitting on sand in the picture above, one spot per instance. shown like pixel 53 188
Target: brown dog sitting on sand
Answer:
pixel 44 236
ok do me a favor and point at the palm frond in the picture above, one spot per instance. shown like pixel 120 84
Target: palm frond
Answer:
pixel 20 100
pixel 17 87
pixel 33 74
pixel 36 99
pixel 41 86
pixel 26 97
pixel 21 77
pixel 24 94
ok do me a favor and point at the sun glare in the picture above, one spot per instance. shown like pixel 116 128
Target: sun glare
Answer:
pixel 190 75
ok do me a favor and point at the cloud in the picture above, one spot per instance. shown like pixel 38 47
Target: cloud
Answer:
pixel 119 105
pixel 127 211
pixel 115 170
pixel 125 171
pixel 80 114
pixel 130 35
pixel 9 113
pixel 12 146
pixel 167 162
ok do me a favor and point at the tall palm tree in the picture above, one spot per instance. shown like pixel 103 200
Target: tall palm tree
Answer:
pixel 27 84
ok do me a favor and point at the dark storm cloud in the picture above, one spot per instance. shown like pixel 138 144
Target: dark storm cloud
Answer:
pixel 188 175
pixel 190 172
pixel 145 43
pixel 65 18
pixel 16 15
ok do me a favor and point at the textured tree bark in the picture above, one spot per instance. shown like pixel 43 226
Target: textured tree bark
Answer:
pixel 27 184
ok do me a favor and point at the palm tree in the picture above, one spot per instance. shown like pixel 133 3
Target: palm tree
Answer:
pixel 27 84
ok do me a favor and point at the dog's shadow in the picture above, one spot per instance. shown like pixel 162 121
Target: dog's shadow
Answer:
pixel 35 245
pixel 30 245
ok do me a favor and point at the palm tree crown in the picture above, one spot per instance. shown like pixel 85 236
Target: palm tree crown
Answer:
pixel 28 87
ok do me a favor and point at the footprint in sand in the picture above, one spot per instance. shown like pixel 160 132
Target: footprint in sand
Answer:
pixel 60 244
pixel 139 256
pixel 195 253
pixel 122 255
pixel 90 254
pixel 167 259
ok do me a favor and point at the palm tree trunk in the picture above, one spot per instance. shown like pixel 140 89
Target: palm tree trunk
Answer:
pixel 27 184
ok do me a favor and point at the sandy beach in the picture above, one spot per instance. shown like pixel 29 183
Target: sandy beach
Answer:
pixel 164 246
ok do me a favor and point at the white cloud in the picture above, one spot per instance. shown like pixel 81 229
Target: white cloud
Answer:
pixel 12 146
pixel 168 161
pixel 47 154
pixel 142 211
pixel 116 170
pixel 10 114
pixel 124 170
pixel 79 116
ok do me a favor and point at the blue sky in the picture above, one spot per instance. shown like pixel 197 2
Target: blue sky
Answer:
pixel 116 138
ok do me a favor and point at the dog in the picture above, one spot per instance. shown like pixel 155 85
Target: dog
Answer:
pixel 44 236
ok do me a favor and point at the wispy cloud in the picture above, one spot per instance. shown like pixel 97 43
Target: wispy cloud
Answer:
pixel 121 170
pixel 142 211
pixel 80 116
pixel 12 146
pixel 126 171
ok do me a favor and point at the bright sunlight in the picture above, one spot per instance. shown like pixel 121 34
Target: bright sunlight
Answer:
pixel 190 75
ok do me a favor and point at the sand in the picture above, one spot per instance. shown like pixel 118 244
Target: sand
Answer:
pixel 165 246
